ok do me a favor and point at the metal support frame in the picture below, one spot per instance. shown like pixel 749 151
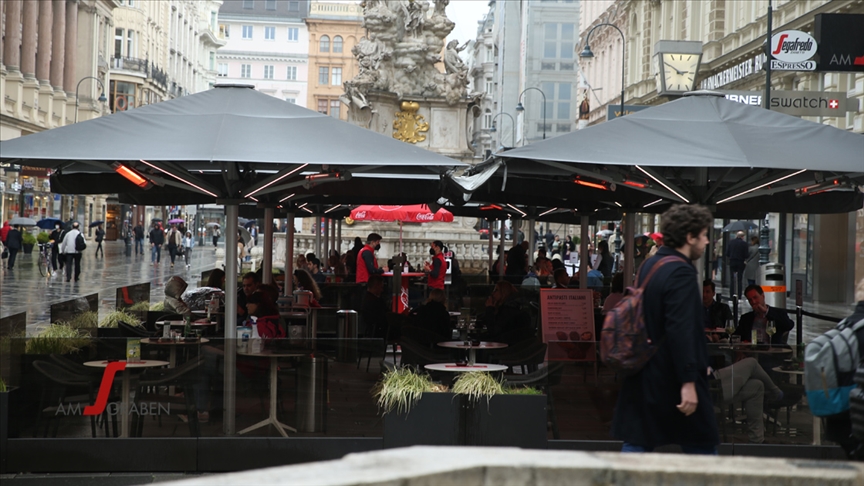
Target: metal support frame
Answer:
pixel 268 246
pixel 289 254
pixel 231 271
pixel 501 251
pixel 629 244
pixel 584 260
pixel 490 250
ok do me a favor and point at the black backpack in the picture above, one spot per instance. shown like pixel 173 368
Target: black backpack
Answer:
pixel 80 244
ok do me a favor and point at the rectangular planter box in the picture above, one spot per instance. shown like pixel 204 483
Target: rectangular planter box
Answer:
pixel 5 402
pixel 434 420
pixel 507 421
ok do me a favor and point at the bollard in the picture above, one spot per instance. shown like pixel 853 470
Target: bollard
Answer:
pixel 312 394
pixel 774 284
pixel 346 333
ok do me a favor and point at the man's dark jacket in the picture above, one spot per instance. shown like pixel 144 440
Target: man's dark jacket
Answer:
pixel 515 261
pixel 737 252
pixel 647 413
pixel 14 240
pixel 781 321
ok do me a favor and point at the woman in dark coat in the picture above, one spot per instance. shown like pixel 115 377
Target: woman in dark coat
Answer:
pixel 646 414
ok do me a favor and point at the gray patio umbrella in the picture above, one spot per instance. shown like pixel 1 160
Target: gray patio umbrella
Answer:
pixel 22 221
pixel 228 144
pixel 703 148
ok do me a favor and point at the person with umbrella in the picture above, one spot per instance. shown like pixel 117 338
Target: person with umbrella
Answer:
pixel 14 243
pixel 56 237
pixel 737 253
pixel 100 235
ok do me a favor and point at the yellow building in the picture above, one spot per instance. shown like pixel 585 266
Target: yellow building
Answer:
pixel 334 29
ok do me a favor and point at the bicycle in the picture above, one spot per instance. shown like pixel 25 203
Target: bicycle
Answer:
pixel 45 267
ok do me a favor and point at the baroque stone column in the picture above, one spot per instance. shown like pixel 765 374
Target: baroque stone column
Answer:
pixel 12 43
pixel 58 44
pixel 43 51
pixel 28 47
pixel 71 46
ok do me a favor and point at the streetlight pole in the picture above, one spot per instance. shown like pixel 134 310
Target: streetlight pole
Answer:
pixel 102 97
pixel 587 54
pixel 512 128
pixel 520 108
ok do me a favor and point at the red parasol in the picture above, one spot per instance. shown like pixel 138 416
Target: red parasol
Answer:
pixel 416 213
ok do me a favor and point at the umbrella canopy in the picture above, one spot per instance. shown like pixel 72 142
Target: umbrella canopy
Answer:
pixel 48 223
pixel 212 225
pixel 22 221
pixel 244 233
pixel 417 213
pixel 176 221
pixel 739 226
pixel 96 223
pixel 706 149
pixel 261 144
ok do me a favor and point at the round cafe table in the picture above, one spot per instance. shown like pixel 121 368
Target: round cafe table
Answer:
pixel 456 368
pixel 272 418
pixel 472 348
pixel 126 376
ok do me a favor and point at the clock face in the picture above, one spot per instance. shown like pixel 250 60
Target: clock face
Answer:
pixel 679 72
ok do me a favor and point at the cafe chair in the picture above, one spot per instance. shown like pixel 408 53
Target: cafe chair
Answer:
pixel 154 380
pixel 130 331
pixel 63 382
pixel 792 395
pixel 544 379
pixel 527 355
pixel 423 336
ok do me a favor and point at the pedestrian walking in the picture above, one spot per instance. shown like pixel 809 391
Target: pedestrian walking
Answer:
pixel 100 235
pixel 56 237
pixel 138 230
pixel 737 253
pixel 216 234
pixel 751 266
pixel 71 247
pixel 14 243
pixel 188 243
pixel 175 239
pixel 157 238
pixel 668 400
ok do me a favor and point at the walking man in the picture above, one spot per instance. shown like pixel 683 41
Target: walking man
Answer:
pixel 71 247
pixel 14 243
pixel 668 401
pixel 174 241
pixel 157 238
pixel 138 230
pixel 367 264
pixel 100 235
pixel 737 253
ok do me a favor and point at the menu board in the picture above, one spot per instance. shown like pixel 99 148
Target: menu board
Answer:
pixel 568 324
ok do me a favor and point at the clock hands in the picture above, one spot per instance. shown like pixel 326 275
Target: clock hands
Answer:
pixel 680 73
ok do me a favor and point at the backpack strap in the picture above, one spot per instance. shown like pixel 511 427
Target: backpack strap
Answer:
pixel 855 327
pixel 654 269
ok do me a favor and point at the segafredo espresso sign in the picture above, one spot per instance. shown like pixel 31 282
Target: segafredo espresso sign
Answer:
pixel 792 50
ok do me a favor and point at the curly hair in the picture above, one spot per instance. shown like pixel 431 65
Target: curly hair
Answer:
pixel 682 220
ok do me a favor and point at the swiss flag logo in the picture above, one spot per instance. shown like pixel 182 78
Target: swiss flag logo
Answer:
pixel 833 104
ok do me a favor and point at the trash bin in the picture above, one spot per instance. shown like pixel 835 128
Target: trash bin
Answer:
pixel 774 284
pixel 312 394
pixel 346 332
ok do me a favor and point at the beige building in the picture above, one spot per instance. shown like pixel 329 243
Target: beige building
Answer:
pixel 334 29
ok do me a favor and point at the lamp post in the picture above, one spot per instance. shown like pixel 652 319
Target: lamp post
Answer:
pixel 102 97
pixel 521 108
pixel 587 54
pixel 512 128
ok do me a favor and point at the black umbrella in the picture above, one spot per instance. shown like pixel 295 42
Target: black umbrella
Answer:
pixel 96 223
pixel 739 226
pixel 48 223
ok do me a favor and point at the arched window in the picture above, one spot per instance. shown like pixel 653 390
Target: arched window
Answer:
pixel 337 43
pixel 324 44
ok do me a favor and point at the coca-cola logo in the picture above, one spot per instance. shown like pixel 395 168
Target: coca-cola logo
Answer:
pixel 360 215
pixel 425 217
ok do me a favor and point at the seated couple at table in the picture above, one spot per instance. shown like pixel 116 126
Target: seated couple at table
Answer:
pixel 716 314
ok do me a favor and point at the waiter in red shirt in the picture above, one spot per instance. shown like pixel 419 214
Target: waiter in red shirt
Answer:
pixel 438 268
pixel 367 264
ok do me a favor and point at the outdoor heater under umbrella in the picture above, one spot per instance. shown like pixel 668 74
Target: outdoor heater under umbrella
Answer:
pixel 415 213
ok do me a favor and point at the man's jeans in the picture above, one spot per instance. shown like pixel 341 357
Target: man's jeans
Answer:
pixel 139 246
pixel 155 253
pixel 736 276
pixel 708 451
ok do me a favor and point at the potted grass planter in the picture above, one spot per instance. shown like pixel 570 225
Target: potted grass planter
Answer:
pixel 418 411
pixel 501 416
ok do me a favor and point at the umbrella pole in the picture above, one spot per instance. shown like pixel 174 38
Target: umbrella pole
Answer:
pixel 289 255
pixel 584 259
pixel 501 251
pixel 268 246
pixel 491 244
pixel 400 238
pixel 230 370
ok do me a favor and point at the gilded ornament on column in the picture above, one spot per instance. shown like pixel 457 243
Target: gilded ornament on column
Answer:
pixel 408 125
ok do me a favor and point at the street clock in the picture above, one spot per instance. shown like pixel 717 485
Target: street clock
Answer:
pixel 677 66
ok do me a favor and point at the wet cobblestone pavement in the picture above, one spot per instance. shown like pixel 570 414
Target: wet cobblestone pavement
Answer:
pixel 23 289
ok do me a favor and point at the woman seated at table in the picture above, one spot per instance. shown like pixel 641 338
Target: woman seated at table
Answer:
pixel 261 305
pixel 337 267
pixel 216 279
pixel 304 281
pixel 504 318
pixel 174 288
pixel 433 316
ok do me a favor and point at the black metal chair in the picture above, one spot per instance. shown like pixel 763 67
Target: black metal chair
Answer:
pixel 792 395
pixel 544 378
pixel 184 376
pixel 419 354
pixel 85 385
pixel 130 331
